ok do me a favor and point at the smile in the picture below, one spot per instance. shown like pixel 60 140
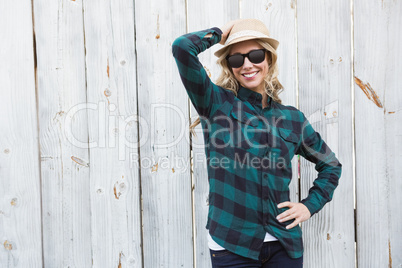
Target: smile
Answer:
pixel 249 75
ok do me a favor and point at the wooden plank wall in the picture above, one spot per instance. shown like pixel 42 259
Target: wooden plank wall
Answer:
pixel 112 128
pixel 97 166
pixel 20 180
pixel 166 184
pixel 324 45
pixel 378 121
pixel 63 133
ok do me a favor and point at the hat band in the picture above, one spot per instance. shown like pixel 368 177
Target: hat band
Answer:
pixel 245 33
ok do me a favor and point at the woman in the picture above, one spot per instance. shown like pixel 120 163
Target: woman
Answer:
pixel 250 140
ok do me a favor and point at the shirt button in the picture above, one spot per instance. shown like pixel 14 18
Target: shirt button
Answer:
pixel 265 176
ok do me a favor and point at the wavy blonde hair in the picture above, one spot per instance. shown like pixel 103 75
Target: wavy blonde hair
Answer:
pixel 227 79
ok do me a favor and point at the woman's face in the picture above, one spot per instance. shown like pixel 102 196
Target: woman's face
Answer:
pixel 250 75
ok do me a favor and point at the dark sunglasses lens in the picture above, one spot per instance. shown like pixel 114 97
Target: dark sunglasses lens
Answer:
pixel 235 61
pixel 257 56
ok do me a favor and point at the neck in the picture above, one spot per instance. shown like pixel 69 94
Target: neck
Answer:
pixel 261 90
pixel 264 100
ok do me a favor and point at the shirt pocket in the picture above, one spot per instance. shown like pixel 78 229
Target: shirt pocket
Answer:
pixel 283 150
pixel 234 128
pixel 243 130
pixel 290 139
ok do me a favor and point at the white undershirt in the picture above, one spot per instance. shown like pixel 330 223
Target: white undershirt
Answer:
pixel 214 246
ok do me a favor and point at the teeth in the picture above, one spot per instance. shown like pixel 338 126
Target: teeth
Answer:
pixel 250 75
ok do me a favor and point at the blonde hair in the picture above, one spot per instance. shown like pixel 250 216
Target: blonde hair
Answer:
pixel 228 81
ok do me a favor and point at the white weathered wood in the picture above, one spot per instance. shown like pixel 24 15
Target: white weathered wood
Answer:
pixel 377 42
pixel 202 15
pixel 279 17
pixel 91 198
pixel 165 154
pixel 20 211
pixel 114 177
pixel 63 130
pixel 324 45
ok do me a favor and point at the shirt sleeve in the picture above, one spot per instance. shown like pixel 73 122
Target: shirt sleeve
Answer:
pixel 204 94
pixel 315 150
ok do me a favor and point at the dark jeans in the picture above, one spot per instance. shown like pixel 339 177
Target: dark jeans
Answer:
pixel 273 255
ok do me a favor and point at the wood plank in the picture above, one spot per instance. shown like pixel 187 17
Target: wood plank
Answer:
pixel 20 211
pixel 279 17
pixel 202 15
pixel 324 56
pixel 63 129
pixel 114 178
pixel 165 154
pixel 377 38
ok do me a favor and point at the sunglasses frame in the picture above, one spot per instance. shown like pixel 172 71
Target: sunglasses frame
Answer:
pixel 244 56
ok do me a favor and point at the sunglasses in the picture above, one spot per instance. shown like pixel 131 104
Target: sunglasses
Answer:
pixel 255 56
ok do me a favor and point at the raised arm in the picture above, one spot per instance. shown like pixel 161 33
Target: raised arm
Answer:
pixel 202 92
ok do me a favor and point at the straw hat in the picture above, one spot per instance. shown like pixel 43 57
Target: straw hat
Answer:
pixel 247 29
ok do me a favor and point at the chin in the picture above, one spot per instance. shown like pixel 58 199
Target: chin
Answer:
pixel 253 86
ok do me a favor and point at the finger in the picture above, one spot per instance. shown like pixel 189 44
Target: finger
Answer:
pixel 294 208
pixel 293 224
pixel 285 204
pixel 286 217
pixel 292 211
pixel 226 30
pixel 283 214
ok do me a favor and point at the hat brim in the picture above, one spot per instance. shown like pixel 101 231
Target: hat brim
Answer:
pixel 273 42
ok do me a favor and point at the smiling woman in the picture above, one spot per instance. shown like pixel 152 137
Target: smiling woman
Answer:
pixel 250 140
pixel 249 74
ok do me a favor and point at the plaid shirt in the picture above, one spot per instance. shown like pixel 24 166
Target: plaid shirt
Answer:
pixel 249 151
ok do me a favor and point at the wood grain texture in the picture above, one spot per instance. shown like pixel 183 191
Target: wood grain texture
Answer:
pixel 63 129
pixel 202 15
pixel 20 208
pixel 377 39
pixel 279 16
pixel 113 170
pixel 165 154
pixel 113 125
pixel 324 57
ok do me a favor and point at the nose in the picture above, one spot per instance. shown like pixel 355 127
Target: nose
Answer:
pixel 247 63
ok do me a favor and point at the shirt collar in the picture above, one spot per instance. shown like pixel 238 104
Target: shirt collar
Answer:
pixel 251 96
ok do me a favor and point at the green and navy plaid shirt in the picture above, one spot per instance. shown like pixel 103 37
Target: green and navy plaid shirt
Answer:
pixel 249 151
